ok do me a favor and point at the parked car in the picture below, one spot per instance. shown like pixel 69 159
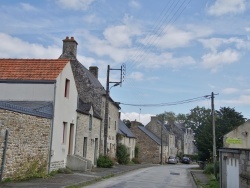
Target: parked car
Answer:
pixel 186 160
pixel 172 160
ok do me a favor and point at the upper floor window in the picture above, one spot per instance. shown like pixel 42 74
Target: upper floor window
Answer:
pixel 66 92
pixel 90 121
pixel 115 125
pixel 109 122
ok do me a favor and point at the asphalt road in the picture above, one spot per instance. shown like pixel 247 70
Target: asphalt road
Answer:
pixel 153 177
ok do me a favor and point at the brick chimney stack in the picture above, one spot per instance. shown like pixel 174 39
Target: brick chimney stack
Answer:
pixel 94 71
pixel 69 48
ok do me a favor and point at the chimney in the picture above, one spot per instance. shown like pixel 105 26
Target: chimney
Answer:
pixel 94 71
pixel 69 47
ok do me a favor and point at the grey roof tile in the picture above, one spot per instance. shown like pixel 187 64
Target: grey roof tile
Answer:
pixel 151 135
pixel 123 129
pixel 36 108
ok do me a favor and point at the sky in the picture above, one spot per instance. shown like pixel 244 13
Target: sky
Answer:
pixel 174 51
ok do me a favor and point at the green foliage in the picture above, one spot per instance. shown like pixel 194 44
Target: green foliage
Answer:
pixel 33 167
pixel 209 168
pixel 64 171
pixel 136 161
pixel 122 154
pixel 127 123
pixel 136 151
pixel 104 162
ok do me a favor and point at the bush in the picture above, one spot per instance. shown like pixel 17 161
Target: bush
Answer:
pixel 122 154
pixel 209 168
pixel 136 161
pixel 104 162
pixel 137 151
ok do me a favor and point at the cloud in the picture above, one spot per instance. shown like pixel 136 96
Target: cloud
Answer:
pixel 134 4
pixel 27 7
pixel 222 7
pixel 75 4
pixel 214 43
pixel 134 116
pixel 241 100
pixel 229 90
pixel 171 37
pixel 12 47
pixel 247 29
pixel 138 76
pixel 120 35
pixel 216 60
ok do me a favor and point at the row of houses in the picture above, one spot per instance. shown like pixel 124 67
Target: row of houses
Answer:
pixel 53 110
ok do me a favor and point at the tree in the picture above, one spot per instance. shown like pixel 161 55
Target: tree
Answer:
pixel 227 119
pixel 200 121
pixel 127 123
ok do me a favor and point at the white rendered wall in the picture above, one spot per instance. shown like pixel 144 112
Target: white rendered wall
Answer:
pixel 65 111
pixel 27 92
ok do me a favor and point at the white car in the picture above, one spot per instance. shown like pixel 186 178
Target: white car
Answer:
pixel 172 160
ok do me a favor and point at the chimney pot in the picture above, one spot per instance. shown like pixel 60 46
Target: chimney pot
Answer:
pixel 94 71
pixel 72 38
pixel 67 38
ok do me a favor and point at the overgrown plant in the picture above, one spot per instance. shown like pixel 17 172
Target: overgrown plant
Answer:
pixel 33 167
pixel 122 154
pixel 104 161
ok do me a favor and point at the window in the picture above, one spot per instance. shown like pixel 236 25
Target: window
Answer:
pixel 66 92
pixel 85 144
pixel 115 125
pixel 90 122
pixel 109 122
pixel 64 132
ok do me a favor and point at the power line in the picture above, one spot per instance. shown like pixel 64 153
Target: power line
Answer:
pixel 169 103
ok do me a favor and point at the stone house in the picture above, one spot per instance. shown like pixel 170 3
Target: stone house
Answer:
pixel 29 128
pixel 234 158
pixel 112 129
pixel 76 96
pixel 184 138
pixel 149 144
pixel 127 138
pixel 167 136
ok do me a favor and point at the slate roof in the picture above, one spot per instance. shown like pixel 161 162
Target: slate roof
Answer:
pixel 151 135
pixel 35 108
pixel 31 69
pixel 84 108
pixel 124 130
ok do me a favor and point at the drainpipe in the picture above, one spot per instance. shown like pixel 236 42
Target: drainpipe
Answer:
pixel 51 129
pixel 4 153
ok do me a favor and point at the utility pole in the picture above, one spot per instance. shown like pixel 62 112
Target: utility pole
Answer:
pixel 214 142
pixel 162 142
pixel 122 69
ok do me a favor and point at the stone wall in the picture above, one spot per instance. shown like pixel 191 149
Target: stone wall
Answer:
pixel 149 150
pixel 93 137
pixel 244 166
pixel 29 140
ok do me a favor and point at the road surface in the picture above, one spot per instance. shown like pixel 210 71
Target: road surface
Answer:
pixel 153 177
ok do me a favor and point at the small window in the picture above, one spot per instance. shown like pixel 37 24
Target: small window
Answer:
pixel 90 122
pixel 109 122
pixel 115 125
pixel 66 92
pixel 64 132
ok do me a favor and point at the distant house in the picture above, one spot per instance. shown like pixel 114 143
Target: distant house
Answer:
pixel 167 136
pixel 235 158
pixel 76 106
pixel 184 138
pixel 149 144
pixel 126 137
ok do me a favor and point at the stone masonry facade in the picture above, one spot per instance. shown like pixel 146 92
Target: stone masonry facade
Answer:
pixel 90 136
pixel 149 150
pixel 28 141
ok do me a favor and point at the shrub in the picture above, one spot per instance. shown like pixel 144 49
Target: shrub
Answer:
pixel 137 151
pixel 209 168
pixel 104 161
pixel 122 154
pixel 136 161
